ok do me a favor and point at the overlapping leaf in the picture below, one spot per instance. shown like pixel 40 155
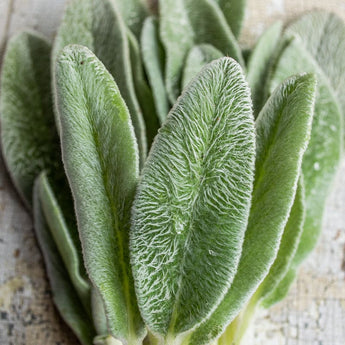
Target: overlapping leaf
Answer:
pixel 185 23
pixel 98 26
pixel 101 159
pixel 192 204
pixel 283 125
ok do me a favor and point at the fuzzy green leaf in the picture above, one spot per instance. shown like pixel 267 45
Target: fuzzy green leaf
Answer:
pixel 65 297
pixel 143 91
pixel 62 237
pixel 234 11
pixel 283 125
pixel 186 23
pixel 197 58
pixel 29 138
pixel 99 26
pixel 101 160
pixel 153 56
pixel 259 64
pixel 192 205
pixel 322 157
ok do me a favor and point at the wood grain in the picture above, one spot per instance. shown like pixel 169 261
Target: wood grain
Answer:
pixel 313 313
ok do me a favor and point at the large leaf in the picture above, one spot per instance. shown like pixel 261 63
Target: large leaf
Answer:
pixel 192 205
pixel 29 139
pixel 98 26
pixel 65 297
pixel 323 35
pixel 259 64
pixel 322 157
pixel 143 91
pixel 101 161
pixel 234 11
pixel 283 125
pixel 185 23
pixel 62 237
pixel 133 13
pixel 197 58
pixel 153 56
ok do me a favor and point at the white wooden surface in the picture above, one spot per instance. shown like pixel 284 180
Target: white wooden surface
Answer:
pixel 313 313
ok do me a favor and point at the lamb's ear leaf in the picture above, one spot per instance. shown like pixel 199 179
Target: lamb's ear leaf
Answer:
pixel 29 139
pixel 65 297
pixel 322 157
pixel 197 58
pixel 185 23
pixel 99 26
pixel 153 56
pixel 133 13
pixel 322 34
pixel 62 237
pixel 193 201
pixel 288 244
pixel 143 91
pixel 234 11
pixel 259 64
pixel 283 125
pixel 100 155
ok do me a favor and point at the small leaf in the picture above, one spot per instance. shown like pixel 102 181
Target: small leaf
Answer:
pixel 29 139
pixel 153 56
pixel 133 13
pixel 259 64
pixel 185 23
pixel 191 208
pixel 234 11
pixel 101 161
pixel 197 58
pixel 98 26
pixel 65 297
pixel 143 91
pixel 283 125
pixel 62 237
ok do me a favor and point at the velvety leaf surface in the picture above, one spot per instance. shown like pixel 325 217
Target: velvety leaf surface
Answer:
pixel 101 161
pixel 133 13
pixel 322 34
pixel 29 138
pixel 322 157
pixel 97 25
pixel 61 235
pixel 197 58
pixel 153 59
pixel 259 64
pixel 191 208
pixel 234 11
pixel 65 297
pixel 143 91
pixel 283 125
pixel 185 23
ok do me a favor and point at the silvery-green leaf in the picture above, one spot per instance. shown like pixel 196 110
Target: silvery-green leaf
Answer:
pixel 143 91
pixel 98 25
pixel 259 63
pixel 185 23
pixel 65 297
pixel 283 125
pixel 153 56
pixel 133 13
pixel 322 157
pixel 101 160
pixel 62 237
pixel 322 34
pixel 234 11
pixel 29 139
pixel 197 58
pixel 192 204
